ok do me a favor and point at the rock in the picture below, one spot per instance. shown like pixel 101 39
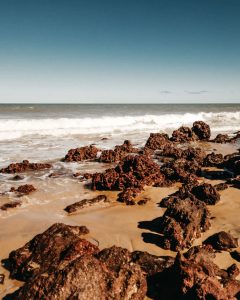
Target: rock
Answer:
pixel 236 255
pixel 59 264
pixel 222 241
pixel 87 278
pixel 85 203
pixel 183 135
pixel 130 176
pixel 232 162
pixel 45 251
pixel 82 153
pixel 17 177
pixel 233 271
pixel 206 193
pixel 2 277
pixel 22 190
pixel 183 222
pixel 143 201
pixel 24 166
pixel 119 152
pixel 220 186
pixel 221 138
pixel 202 130
pixel 157 141
pixel 12 204
pixel 213 160
pixel 181 170
pixel 195 276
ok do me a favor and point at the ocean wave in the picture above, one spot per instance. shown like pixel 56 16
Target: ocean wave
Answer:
pixel 17 128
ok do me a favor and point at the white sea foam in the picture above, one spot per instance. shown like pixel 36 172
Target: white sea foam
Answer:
pixel 17 128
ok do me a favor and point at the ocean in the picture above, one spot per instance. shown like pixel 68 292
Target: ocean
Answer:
pixel 46 132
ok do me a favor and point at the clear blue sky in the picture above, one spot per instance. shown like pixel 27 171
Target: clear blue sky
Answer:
pixel 119 50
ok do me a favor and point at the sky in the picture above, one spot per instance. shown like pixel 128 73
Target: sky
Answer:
pixel 118 51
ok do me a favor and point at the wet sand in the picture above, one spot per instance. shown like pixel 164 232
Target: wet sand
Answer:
pixel 110 224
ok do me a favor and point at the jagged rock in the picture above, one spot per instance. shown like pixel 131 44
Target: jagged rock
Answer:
pixel 87 278
pixel 236 255
pixel 213 160
pixel 85 203
pixel 12 204
pixel 59 264
pixel 221 139
pixel 82 153
pixel 181 170
pixel 232 162
pixel 183 135
pixel 45 251
pixel 202 130
pixel 130 175
pixel 157 141
pixel 206 193
pixel 195 276
pixel 182 222
pixel 22 190
pixel 118 153
pixel 24 166
pixel 222 241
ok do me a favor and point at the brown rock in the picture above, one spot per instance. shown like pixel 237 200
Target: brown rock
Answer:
pixel 12 204
pixel 82 153
pixel 157 141
pixel 183 135
pixel 2 277
pixel 202 130
pixel 206 193
pixel 222 241
pixel 221 138
pixel 24 166
pixel 213 160
pixel 85 203
pixel 22 190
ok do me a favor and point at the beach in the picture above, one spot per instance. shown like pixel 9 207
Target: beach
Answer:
pixel 44 134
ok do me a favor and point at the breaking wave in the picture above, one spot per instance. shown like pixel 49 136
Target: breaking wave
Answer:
pixel 17 128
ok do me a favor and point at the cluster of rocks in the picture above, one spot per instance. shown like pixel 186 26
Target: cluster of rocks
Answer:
pixel 24 166
pixel 61 264
pixel 225 138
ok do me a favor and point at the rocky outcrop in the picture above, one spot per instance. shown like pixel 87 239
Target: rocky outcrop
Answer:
pixel 130 176
pixel 82 153
pixel 221 139
pixel 157 141
pixel 222 241
pixel 59 264
pixel 183 135
pixel 24 166
pixel 183 222
pixel 119 152
pixel 213 160
pixel 10 205
pixel 22 190
pixel 202 130
pixel 100 199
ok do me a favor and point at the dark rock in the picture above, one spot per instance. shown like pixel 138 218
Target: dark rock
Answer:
pixel 206 193
pixel 233 271
pixel 202 130
pixel 12 204
pixel 2 277
pixel 143 201
pixel 157 141
pixel 183 135
pixel 45 251
pixel 24 166
pixel 85 203
pixel 22 190
pixel 82 153
pixel 222 241
pixel 17 177
pixel 236 255
pixel 213 160
pixel 221 186
pixel 183 222
pixel 221 138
